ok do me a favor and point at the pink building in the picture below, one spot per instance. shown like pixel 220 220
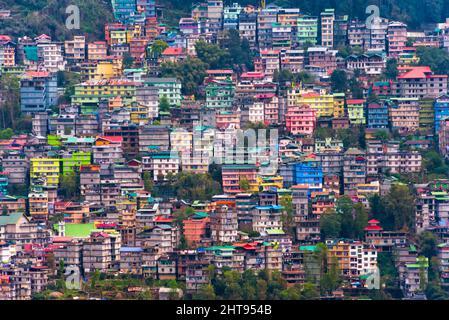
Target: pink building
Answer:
pixel 397 38
pixel 300 120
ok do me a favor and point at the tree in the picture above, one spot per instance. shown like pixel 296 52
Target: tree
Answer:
pixel 400 204
pixel 191 186
pixel 238 49
pixel 4 210
pixel 330 225
pixel 244 184
pixel 287 216
pixel 437 59
pixel 6 134
pixel 157 48
pixel 127 60
pixel 391 69
pixel 190 71
pixel 212 55
pixel 381 135
pixel 339 81
pixel 148 182
pixel 428 244
pixel 10 112
pixel 206 292
pixel 70 185
pixel 360 220
pixel 164 105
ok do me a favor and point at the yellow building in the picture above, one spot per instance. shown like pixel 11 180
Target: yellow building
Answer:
pixel 270 182
pixel 322 103
pixel 47 169
pixel 120 36
pixel 339 105
pixel 90 93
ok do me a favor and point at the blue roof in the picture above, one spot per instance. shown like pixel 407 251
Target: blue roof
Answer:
pixel 275 207
pixel 131 249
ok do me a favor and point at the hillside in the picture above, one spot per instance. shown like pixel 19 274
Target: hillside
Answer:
pixel 34 17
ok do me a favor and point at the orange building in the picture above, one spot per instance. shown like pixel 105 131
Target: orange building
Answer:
pixel 196 228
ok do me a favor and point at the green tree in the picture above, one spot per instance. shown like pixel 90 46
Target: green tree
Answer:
pixel 128 60
pixel 428 244
pixel 214 56
pixel 391 70
pixel 9 109
pixel 330 225
pixel 156 49
pixel 164 105
pixel 288 214
pixel 148 182
pixel 437 59
pixel 70 185
pixel 244 184
pixel 339 81
pixel 206 292
pixel 190 71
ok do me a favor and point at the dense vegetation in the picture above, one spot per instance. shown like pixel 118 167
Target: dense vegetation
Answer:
pixel 35 17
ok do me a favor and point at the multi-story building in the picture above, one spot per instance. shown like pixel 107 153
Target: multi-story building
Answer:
pixel 327 28
pixel 234 174
pixel 300 120
pixel 75 50
pixel 220 95
pixel 224 224
pixel 397 38
pixel 97 50
pixel 354 170
pixel 169 88
pixel 108 150
pixel 404 114
pixel 45 170
pixel 101 251
pixel 307 30
pixel 441 111
pixel 420 82
pixel 356 111
pixel 38 91
pixel 377 115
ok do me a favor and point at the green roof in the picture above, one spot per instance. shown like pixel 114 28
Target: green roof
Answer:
pixel 307 248
pixel 82 230
pixel 10 219
pixel 275 231
pixel 200 215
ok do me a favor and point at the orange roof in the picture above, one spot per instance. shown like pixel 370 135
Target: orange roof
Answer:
pixel 419 73
pixel 355 101
pixel 172 52
pixel 111 138
pixel 37 74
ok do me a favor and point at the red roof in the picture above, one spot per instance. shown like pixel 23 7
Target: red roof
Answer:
pixel 373 221
pixel 355 101
pixel 163 219
pixel 172 52
pixel 37 74
pixel 416 73
pixel 111 138
pixel 373 228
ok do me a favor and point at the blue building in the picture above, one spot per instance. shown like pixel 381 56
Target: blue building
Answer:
pixel 308 172
pixel 377 116
pixel 128 11
pixel 441 108
pixel 38 92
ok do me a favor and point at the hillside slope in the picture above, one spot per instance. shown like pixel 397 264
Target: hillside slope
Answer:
pixel 34 17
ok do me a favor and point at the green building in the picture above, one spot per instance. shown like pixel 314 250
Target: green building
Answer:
pixel 220 94
pixel 75 160
pixel 307 30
